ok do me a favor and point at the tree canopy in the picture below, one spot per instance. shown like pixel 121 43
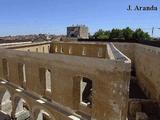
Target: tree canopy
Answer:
pixel 101 34
pixel 140 35
pixel 126 34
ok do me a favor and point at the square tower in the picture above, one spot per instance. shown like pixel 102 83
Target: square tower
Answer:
pixel 79 31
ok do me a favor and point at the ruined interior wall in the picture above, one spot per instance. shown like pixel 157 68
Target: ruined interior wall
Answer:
pixel 110 80
pixel 43 48
pixel 127 49
pixel 146 61
pixel 88 50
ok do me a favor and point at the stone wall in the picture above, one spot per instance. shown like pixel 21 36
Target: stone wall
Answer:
pixel 147 63
pixel 128 49
pixel 146 60
pixel 33 47
pixel 80 49
pixel 110 79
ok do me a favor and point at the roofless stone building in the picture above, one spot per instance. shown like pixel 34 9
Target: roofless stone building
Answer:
pixel 78 81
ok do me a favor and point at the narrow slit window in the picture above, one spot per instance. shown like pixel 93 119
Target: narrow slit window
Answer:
pixel 24 72
pixel 100 52
pixel 48 48
pixel 56 49
pixel 48 80
pixel 36 49
pixel 5 68
pixel 70 50
pixel 43 49
pixel 84 51
pixel 62 51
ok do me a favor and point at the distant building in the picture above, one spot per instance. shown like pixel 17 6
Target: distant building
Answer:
pixel 78 31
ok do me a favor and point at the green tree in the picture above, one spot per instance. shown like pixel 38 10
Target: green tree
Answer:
pixel 128 33
pixel 101 34
pixel 140 35
pixel 147 36
pixel 116 33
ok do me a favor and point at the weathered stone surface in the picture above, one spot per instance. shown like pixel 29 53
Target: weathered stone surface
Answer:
pixel 146 61
pixel 110 81
pixel 141 116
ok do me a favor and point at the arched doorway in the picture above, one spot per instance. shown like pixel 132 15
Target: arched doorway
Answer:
pixel 40 113
pixel 6 103
pixel 43 115
pixel 21 109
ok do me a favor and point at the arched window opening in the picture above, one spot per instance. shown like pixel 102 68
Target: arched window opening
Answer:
pixel 5 68
pixel 72 35
pixel 43 116
pixel 22 110
pixel 86 91
pixel 6 103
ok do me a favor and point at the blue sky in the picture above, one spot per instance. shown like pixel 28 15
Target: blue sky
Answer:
pixel 53 16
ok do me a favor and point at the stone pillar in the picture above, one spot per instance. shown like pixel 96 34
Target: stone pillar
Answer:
pixel 14 106
pixel 141 116
pixel 13 111
pixel 35 114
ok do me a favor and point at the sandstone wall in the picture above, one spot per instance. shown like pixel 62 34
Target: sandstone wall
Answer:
pixel 146 61
pixel 128 49
pixel 110 79
pixel 80 49
pixel 41 48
